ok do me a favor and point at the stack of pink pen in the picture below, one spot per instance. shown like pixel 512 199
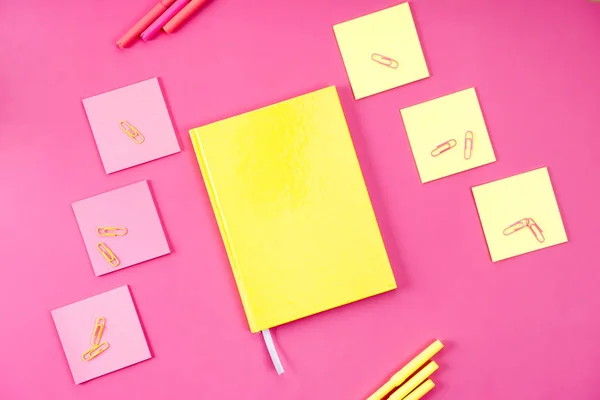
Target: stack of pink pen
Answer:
pixel 166 15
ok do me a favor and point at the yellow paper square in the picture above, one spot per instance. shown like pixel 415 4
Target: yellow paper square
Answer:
pixel 507 201
pixel 437 121
pixel 390 33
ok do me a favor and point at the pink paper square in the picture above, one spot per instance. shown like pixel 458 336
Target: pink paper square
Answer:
pixel 75 324
pixel 141 105
pixel 130 207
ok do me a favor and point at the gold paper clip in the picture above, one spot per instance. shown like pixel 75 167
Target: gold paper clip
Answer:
pixel 98 330
pixel 95 351
pixel 130 130
pixel 468 145
pixel 108 254
pixel 111 231
pixel 443 147
pixel 383 60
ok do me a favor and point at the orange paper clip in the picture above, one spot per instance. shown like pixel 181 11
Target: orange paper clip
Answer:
pixel 111 231
pixel 98 330
pixel 130 130
pixel 108 254
pixel 468 145
pixel 443 147
pixel 95 351
pixel 383 60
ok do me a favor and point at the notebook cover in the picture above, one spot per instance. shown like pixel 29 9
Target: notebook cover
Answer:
pixel 293 209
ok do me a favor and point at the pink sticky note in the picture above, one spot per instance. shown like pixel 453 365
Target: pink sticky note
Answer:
pixel 142 106
pixel 76 322
pixel 130 207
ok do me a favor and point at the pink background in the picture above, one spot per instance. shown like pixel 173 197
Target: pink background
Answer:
pixel 525 328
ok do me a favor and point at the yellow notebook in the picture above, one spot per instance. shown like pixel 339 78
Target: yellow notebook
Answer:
pixel 293 209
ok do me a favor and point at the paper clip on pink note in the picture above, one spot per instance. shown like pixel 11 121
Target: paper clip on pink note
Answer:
pixel 526 223
pixel 131 131
pixel 97 347
pixel 98 330
pixel 111 231
pixel 108 254
pixel 383 60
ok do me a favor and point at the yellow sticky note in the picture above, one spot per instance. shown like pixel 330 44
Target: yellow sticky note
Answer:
pixel 448 135
pixel 519 214
pixel 293 209
pixel 381 51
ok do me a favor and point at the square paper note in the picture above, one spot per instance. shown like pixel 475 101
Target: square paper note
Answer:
pixel 448 135
pixel 140 110
pixel 381 51
pixel 131 210
pixel 108 320
pixel 519 214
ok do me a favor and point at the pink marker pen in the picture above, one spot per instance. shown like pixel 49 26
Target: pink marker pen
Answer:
pixel 163 19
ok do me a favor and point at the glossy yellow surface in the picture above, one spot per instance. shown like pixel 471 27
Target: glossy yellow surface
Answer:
pixel 508 201
pixel 447 118
pixel 293 209
pixel 381 50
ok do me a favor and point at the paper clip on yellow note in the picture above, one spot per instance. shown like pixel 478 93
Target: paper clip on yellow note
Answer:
pixel 108 254
pixel 442 148
pixel 111 231
pixel 418 384
pixel 468 145
pixel 534 228
pixel 132 132
pixel 97 347
pixel 449 144
pixel 383 60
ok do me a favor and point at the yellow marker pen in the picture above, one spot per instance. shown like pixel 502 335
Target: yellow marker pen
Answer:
pixel 421 390
pixel 399 377
pixel 413 382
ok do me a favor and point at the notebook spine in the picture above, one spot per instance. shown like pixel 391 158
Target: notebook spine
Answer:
pixel 214 200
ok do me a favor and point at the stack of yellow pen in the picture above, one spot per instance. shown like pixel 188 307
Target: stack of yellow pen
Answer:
pixel 418 385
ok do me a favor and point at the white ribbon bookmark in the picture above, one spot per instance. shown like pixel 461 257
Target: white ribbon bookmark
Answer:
pixel 272 351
